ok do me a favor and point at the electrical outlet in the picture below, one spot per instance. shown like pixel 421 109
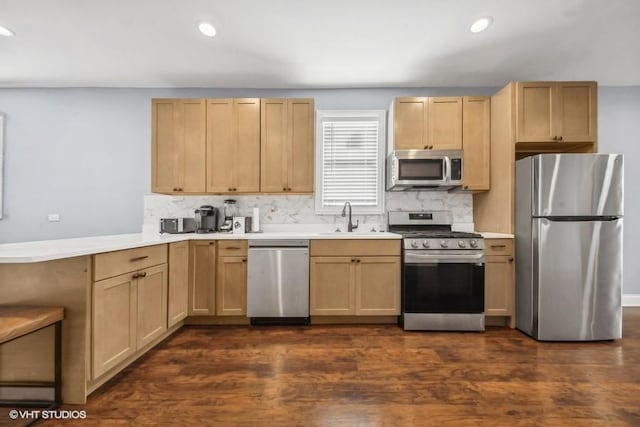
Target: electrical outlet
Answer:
pixel 53 217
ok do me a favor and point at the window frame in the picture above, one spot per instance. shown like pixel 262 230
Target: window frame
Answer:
pixel 381 117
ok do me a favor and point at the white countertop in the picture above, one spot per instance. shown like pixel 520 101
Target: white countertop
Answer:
pixel 47 250
pixel 490 235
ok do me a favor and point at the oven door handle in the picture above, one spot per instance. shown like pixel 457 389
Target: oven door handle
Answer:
pixel 418 258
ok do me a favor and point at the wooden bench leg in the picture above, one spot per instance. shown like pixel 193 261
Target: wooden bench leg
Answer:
pixel 57 380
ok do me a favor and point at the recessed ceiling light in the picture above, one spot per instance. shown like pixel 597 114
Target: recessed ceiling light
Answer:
pixel 4 31
pixel 207 29
pixel 481 24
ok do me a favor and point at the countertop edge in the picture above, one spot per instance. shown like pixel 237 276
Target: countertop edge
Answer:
pixel 40 251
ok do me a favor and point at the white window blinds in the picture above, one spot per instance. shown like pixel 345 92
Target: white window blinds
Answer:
pixel 350 161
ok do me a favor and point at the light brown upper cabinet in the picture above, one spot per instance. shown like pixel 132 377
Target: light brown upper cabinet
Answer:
pixel 178 146
pixel 556 111
pixel 476 136
pixel 287 145
pixel 445 123
pixel 410 118
pixel 422 123
pixel 233 145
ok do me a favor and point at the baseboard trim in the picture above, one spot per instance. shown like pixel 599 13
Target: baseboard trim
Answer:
pixel 631 300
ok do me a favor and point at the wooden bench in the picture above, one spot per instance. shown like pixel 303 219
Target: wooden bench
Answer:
pixel 17 321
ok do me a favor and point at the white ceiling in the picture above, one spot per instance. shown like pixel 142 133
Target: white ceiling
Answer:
pixel 321 43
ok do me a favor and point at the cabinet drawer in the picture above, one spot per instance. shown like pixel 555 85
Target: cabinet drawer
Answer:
pixel 112 264
pixel 232 247
pixel 498 247
pixel 354 247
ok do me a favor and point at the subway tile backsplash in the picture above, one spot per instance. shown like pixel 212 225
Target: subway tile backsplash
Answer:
pixel 296 209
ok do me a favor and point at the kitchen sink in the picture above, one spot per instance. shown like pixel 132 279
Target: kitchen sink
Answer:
pixel 344 233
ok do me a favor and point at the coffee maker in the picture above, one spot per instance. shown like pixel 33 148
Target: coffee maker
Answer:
pixel 230 210
pixel 206 219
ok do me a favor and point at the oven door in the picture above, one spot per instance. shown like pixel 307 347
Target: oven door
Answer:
pixel 426 171
pixel 443 284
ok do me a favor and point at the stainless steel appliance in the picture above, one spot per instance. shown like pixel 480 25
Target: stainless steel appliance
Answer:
pixel 278 281
pixel 569 246
pixel 424 169
pixel 442 273
pixel 229 211
pixel 206 219
pixel 177 225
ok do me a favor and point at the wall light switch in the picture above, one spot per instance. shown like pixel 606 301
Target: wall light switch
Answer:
pixel 53 217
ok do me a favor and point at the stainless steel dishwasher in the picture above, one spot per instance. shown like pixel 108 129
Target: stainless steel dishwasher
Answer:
pixel 278 282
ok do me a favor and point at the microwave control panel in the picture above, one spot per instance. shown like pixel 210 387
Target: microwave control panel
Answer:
pixel 456 169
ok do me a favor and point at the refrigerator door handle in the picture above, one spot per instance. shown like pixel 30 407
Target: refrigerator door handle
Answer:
pixel 580 218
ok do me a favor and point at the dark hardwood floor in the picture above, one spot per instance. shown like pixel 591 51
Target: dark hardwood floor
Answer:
pixel 373 375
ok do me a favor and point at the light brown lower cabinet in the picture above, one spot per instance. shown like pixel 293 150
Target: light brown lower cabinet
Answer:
pixel 231 286
pixel 499 279
pixel 129 311
pixel 152 304
pixel 378 286
pixel 115 306
pixel 332 286
pixel 355 285
pixel 178 303
pixel 202 278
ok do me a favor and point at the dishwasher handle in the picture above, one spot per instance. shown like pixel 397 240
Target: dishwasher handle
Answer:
pixel 278 243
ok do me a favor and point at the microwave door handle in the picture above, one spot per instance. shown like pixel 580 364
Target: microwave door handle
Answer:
pixel 447 168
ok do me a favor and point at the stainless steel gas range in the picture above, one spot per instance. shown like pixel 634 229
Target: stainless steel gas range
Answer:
pixel 442 273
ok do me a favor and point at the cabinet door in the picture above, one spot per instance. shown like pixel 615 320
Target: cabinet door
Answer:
pixel 535 112
pixel 152 304
pixel 220 145
pixel 231 286
pixel 274 142
pixel 178 304
pixel 300 151
pixel 499 286
pixel 576 111
pixel 378 286
pixel 410 123
pixel 332 286
pixel 246 166
pixel 476 142
pixel 202 273
pixel 114 321
pixel 178 145
pixel 445 123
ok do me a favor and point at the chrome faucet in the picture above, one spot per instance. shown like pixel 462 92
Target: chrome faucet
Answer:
pixel 350 226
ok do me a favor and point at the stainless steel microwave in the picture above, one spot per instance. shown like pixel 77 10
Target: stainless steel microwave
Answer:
pixel 424 170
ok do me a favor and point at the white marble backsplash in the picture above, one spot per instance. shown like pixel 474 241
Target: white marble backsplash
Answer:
pixel 291 209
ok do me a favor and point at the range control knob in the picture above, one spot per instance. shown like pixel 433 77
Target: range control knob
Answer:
pixel 462 243
pixel 443 243
pixel 414 244
pixel 473 243
pixel 425 244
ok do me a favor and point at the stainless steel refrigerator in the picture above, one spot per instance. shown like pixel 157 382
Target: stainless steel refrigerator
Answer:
pixel 569 210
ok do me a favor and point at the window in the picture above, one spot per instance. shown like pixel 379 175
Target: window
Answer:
pixel 350 160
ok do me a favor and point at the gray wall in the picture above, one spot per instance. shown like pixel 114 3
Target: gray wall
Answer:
pixel 619 132
pixel 85 154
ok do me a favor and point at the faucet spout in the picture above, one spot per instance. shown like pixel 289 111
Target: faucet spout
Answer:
pixel 350 225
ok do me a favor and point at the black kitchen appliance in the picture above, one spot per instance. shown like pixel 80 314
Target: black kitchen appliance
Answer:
pixel 442 273
pixel 206 218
